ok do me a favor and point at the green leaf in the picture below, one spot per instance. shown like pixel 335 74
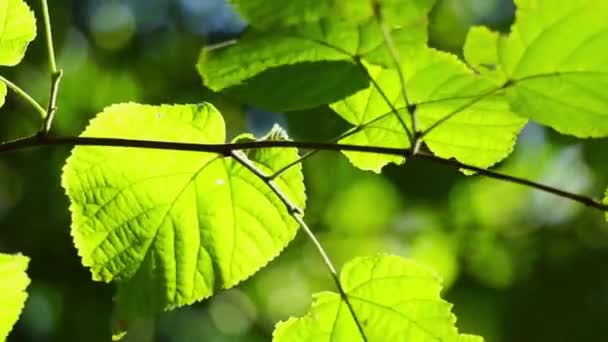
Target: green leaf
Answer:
pixel 393 298
pixel 557 59
pixel 374 123
pixel 481 54
pixel 438 84
pixel 17 30
pixel 13 282
pixel 3 91
pixel 174 226
pixel 265 68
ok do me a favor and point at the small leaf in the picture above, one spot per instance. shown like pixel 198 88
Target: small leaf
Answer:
pixel 17 30
pixel 480 52
pixel 556 59
pixel 393 298
pixel 174 226
pixel 13 282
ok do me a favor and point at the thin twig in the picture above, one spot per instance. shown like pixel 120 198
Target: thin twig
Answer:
pixel 55 73
pixel 227 149
pixel 24 95
pixel 588 201
pixel 52 105
pixel 297 215
pixel 49 36
pixel 347 134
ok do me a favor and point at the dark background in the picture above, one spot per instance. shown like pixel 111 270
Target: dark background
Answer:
pixel 518 265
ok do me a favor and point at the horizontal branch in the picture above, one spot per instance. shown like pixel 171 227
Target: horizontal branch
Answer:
pixel 41 140
pixel 590 202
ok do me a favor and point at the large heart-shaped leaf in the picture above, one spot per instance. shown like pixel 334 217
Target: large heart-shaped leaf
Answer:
pixel 173 226
pixel 13 281
pixel 394 299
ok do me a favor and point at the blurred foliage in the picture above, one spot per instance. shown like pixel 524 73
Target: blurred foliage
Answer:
pixel 518 265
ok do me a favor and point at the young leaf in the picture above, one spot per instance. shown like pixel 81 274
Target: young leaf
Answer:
pixel 556 58
pixel 393 298
pixel 17 30
pixel 480 52
pixel 265 68
pixel 480 133
pixel 13 281
pixel 174 226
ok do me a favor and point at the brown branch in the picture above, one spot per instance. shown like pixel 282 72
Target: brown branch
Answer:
pixel 228 149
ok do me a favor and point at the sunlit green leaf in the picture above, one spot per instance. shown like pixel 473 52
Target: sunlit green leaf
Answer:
pixel 481 132
pixel 557 58
pixel 2 93
pixel 13 281
pixel 393 298
pixel 17 30
pixel 174 226
pixel 316 60
pixel 374 122
pixel 481 53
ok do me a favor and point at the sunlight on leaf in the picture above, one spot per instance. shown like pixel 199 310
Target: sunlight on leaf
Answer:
pixel 174 226
pixel 17 30
pixel 394 300
pixel 369 113
pixel 13 282
pixel 480 52
pixel 3 91
pixel 556 54
pixel 438 84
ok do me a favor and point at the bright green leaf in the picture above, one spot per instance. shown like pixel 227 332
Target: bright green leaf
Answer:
pixel 2 93
pixel 17 30
pixel 13 281
pixel 480 52
pixel 481 133
pixel 174 226
pixel 393 298
pixel 557 58
pixel 374 123
pixel 316 61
